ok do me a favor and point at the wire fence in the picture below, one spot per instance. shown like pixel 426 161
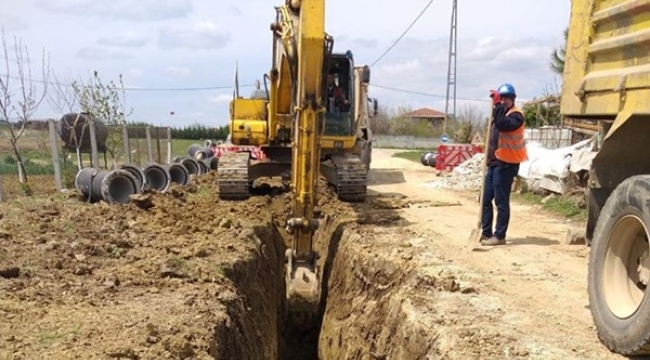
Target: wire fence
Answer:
pixel 51 164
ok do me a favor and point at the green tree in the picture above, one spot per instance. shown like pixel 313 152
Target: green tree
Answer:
pixel 558 56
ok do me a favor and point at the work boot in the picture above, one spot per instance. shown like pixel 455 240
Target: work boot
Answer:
pixel 493 241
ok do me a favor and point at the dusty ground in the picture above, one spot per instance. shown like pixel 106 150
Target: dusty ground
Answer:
pixel 192 276
pixel 526 300
pixel 149 281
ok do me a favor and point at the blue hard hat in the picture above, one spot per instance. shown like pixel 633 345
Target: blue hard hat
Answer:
pixel 507 90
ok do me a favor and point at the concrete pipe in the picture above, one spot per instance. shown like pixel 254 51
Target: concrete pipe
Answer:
pixel 199 152
pixel 204 167
pixel 191 165
pixel 112 186
pixel 212 163
pixel 431 159
pixel 178 174
pixel 157 176
pixel 177 159
pixel 423 158
pixel 138 174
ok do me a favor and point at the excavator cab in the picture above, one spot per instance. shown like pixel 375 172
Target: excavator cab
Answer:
pixel 339 117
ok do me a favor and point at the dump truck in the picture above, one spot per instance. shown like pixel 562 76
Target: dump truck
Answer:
pixel 607 78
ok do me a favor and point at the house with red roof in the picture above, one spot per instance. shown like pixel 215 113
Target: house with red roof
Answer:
pixel 434 117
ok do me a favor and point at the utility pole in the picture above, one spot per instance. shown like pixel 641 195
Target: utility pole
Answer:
pixel 451 66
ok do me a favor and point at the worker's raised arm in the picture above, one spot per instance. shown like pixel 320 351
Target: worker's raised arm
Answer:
pixel 508 122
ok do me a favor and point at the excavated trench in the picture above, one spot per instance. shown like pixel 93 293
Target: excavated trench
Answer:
pixel 386 295
pixel 360 318
pixel 256 328
pixel 182 275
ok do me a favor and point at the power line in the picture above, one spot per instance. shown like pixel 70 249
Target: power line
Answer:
pixel 404 33
pixel 40 81
pixel 423 93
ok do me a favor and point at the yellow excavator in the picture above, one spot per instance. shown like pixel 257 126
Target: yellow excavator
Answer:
pixel 305 126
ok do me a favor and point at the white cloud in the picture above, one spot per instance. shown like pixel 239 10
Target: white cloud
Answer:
pixel 129 39
pixel 199 35
pixel 134 73
pixel 234 11
pixel 218 99
pixel 10 22
pixel 135 10
pixel 178 71
pixel 480 67
pixel 356 43
pixel 115 31
pixel 95 53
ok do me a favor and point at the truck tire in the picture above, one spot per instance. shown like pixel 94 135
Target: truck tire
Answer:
pixel 616 281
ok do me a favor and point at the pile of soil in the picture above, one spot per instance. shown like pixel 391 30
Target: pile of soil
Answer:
pixel 179 275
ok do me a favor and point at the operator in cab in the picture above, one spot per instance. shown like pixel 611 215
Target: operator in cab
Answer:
pixel 336 101
pixel 507 149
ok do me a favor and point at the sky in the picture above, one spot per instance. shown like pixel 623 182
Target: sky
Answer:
pixel 190 47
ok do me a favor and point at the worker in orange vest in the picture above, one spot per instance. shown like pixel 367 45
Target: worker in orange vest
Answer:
pixel 506 150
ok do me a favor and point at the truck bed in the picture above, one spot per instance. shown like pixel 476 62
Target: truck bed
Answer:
pixel 607 68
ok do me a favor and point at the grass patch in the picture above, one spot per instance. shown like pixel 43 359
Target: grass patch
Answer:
pixel 568 207
pixel 409 155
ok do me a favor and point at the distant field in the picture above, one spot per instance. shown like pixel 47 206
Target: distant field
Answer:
pixel 36 152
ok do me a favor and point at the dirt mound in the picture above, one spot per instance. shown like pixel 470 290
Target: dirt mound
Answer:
pixel 162 277
pixel 384 304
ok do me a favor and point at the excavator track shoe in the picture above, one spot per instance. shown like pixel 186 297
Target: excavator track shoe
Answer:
pixel 233 176
pixel 351 178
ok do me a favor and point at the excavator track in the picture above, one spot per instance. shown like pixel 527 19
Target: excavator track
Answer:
pixel 351 177
pixel 233 176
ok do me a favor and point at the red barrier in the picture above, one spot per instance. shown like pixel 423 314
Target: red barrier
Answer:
pixel 452 155
pixel 256 151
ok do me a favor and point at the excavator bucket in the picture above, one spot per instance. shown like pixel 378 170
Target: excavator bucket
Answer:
pixel 303 292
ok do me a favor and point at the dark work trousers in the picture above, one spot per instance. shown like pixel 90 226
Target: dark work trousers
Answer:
pixel 498 183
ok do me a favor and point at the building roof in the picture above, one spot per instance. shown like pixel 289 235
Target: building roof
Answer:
pixel 425 113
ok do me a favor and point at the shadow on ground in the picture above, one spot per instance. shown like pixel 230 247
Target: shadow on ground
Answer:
pixel 528 240
pixel 385 177
pixel 532 240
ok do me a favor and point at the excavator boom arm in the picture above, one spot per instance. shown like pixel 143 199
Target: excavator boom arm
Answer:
pixel 305 47
pixel 308 122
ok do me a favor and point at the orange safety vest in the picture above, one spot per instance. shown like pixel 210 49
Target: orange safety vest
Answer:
pixel 512 145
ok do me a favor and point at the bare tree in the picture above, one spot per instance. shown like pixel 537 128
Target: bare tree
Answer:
pixel 64 100
pixel 106 102
pixel 28 99
pixel 470 119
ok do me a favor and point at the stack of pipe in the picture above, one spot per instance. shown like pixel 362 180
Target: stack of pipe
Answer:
pixel 204 155
pixel 116 186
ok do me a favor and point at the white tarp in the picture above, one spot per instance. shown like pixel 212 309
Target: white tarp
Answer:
pixel 548 169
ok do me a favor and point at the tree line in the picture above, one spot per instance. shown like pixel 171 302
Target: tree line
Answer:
pixel 137 129
pixel 191 132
